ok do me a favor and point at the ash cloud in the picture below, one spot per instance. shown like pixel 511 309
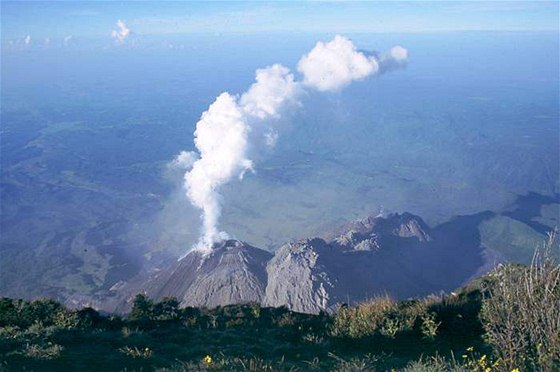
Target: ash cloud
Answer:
pixel 233 127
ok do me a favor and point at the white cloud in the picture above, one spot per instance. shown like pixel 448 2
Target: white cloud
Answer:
pixel 398 53
pixel 396 58
pixel 27 40
pixel 122 33
pixel 66 40
pixel 333 65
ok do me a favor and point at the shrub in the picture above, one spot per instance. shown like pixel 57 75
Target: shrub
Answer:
pixel 89 318
pixel 142 308
pixel 8 313
pixel 222 363
pixel 363 320
pixel 49 351
pixel 435 364
pixel 136 352
pixel 430 326
pixel 10 332
pixel 286 320
pixel 128 332
pixel 66 319
pixel 43 311
pixel 521 315
pixel 367 362
pixel 255 310
pixel 23 313
pixel 390 327
pixel 471 361
pixel 166 309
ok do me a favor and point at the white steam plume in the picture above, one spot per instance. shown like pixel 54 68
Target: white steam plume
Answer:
pixel 66 40
pixel 333 65
pixel 185 160
pixel 222 137
pixel 122 33
pixel 232 126
pixel 27 40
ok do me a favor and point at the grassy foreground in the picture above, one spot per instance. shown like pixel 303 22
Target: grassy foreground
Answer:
pixel 506 321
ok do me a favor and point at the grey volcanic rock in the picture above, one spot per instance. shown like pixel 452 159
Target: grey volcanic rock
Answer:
pixel 398 255
pixel 233 272
pixel 298 279
pixel 364 234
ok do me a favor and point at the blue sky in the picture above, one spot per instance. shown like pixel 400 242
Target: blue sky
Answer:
pixel 56 19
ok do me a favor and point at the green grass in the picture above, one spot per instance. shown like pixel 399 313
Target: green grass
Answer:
pixel 45 336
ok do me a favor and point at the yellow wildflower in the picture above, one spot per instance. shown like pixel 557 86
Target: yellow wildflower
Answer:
pixel 515 370
pixel 207 359
pixel 470 348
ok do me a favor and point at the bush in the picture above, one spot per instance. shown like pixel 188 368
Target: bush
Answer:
pixel 383 316
pixel 89 318
pixel 521 314
pixel 136 352
pixel 363 320
pixel 40 311
pixel 142 308
pixel 66 319
pixel 24 313
pixel 435 364
pixel 49 351
pixel 8 313
pixel 166 309
pixel 430 326
pixel 10 332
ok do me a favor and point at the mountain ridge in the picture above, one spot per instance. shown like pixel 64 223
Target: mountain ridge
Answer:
pixel 398 255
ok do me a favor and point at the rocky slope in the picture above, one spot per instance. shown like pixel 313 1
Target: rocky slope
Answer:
pixel 234 272
pixel 398 255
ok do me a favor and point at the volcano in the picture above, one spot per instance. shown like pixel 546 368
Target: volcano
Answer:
pixel 398 255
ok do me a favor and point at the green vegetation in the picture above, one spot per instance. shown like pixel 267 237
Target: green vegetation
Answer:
pixel 549 215
pixel 521 315
pixel 506 321
pixel 514 239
